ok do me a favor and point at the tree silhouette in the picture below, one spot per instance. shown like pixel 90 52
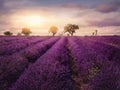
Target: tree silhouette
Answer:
pixel 53 30
pixel 71 28
pixel 8 33
pixel 18 34
pixel 26 31
pixel 96 31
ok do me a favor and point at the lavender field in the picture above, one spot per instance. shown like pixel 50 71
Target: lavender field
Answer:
pixel 59 63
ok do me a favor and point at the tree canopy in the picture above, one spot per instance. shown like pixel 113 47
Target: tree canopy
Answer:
pixel 18 34
pixel 26 31
pixel 71 28
pixel 53 30
pixel 8 33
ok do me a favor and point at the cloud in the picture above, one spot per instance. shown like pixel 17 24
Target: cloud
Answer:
pixel 58 13
pixel 1 3
pixel 109 7
pixel 2 8
pixel 74 6
pixel 105 23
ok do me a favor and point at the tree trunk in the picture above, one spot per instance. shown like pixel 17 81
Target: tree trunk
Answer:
pixel 72 34
pixel 53 34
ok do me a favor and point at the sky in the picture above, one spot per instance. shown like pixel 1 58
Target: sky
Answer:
pixel 40 15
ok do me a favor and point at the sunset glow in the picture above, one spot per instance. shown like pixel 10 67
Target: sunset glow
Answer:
pixel 39 16
pixel 33 20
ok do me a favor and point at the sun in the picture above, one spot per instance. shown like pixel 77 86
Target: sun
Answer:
pixel 33 20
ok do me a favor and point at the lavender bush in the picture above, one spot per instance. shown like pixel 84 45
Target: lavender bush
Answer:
pixel 59 63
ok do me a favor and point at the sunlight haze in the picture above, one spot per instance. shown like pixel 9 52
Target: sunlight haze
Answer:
pixel 39 16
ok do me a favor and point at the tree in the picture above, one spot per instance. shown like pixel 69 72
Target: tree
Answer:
pixel 96 31
pixel 53 30
pixel 71 28
pixel 8 33
pixel 26 31
pixel 18 34
pixel 93 33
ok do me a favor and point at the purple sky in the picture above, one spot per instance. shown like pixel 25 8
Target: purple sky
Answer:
pixel 103 15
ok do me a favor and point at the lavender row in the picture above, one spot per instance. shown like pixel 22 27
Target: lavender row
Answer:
pixel 50 72
pixel 86 63
pixel 107 77
pixel 19 40
pixel 112 40
pixel 108 51
pixel 17 46
pixel 7 39
pixel 11 67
